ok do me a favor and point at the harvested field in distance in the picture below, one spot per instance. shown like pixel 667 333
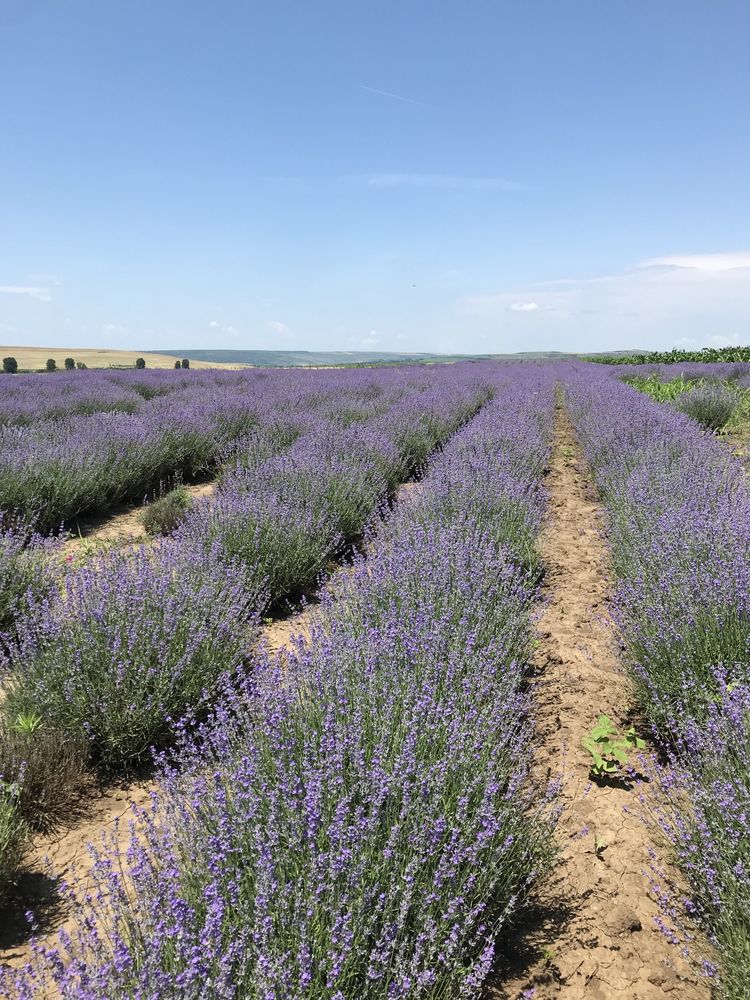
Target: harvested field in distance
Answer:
pixel 36 358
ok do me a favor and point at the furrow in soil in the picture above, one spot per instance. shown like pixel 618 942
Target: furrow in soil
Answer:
pixel 591 930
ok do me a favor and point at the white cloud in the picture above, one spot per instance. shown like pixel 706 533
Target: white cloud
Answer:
pixel 441 182
pixel 278 327
pixel 232 331
pixel 214 324
pixel 703 301
pixel 31 291
pixel 702 261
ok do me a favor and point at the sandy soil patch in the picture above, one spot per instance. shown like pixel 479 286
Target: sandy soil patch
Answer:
pixel 121 525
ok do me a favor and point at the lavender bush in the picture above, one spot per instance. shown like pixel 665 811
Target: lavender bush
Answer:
pixel 28 399
pixel 712 765
pixel 710 404
pixel 284 516
pixel 679 508
pixel 136 641
pixel 184 423
pixel 282 543
pixel 27 570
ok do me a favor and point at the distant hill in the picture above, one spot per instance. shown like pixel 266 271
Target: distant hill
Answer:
pixel 293 359
pixel 287 359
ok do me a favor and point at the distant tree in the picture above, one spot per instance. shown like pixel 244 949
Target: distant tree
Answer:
pixel 81 366
pixel 70 364
pixel 185 362
pixel 177 364
pixel 140 363
pixel 10 366
pixel 51 365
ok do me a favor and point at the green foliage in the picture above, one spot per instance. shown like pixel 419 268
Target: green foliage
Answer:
pixel 662 392
pixel 81 366
pixel 708 354
pixel 10 366
pixel 163 515
pixel 140 363
pixel 185 363
pixel 27 722
pixel 51 365
pixel 177 364
pixel 609 749
pixel 70 364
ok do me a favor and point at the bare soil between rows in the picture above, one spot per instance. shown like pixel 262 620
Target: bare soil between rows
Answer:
pixel 590 931
pixel 123 523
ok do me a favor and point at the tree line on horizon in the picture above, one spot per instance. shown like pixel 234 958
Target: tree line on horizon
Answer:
pixel 675 356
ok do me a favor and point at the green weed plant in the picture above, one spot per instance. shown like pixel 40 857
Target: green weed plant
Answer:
pixel 609 749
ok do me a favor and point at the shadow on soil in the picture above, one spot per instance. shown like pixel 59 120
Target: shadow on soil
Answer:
pixel 526 944
pixel 36 894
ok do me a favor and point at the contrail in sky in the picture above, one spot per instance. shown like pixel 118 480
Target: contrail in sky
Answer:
pixel 395 97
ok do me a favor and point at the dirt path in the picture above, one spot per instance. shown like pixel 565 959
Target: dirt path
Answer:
pixel 122 525
pixel 592 930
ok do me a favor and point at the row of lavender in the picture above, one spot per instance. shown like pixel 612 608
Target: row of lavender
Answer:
pixel 105 659
pixel 679 514
pixel 27 399
pixel 356 819
pixel 55 468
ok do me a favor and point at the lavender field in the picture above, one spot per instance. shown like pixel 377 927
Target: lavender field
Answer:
pixel 379 807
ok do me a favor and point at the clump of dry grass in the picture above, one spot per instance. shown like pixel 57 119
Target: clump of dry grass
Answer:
pixel 48 770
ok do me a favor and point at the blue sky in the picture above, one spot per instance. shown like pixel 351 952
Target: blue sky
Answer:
pixel 403 175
